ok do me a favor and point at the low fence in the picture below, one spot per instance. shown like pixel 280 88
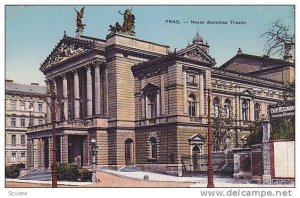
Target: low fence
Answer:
pixel 197 164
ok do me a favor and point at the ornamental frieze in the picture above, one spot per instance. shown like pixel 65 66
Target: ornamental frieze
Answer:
pixel 63 52
pixel 196 55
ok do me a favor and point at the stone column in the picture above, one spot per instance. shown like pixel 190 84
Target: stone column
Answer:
pixel 162 94
pixel 65 95
pixel 42 154
pixel 184 91
pixel 29 154
pixel 35 153
pixel 251 110
pixel 201 96
pixel 97 90
pixel 266 152
pixel 143 106
pixel 89 90
pixel 76 96
pixel 147 114
pixel 64 148
pixel 158 104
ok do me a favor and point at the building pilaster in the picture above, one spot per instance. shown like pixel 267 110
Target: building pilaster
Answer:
pixel 201 96
pixel 65 95
pixel 89 90
pixel 76 96
pixel 97 89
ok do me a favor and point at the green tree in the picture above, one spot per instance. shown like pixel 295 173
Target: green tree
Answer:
pixel 220 125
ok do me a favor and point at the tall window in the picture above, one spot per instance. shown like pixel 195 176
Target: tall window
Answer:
pixel 31 106
pixel 13 105
pixel 40 107
pixel 13 140
pixel 216 107
pixel 22 122
pixel 23 156
pixel 13 156
pixel 245 110
pixel 227 108
pixel 22 140
pixel 22 106
pixel 31 122
pixel 13 122
pixel 153 145
pixel 256 111
pixel 192 105
pixel 40 121
pixel 152 105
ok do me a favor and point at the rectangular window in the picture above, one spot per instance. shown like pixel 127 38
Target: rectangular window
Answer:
pixel 22 122
pixel 22 140
pixel 13 140
pixel 40 107
pixel 13 122
pixel 31 106
pixel 23 156
pixel 22 106
pixel 13 156
pixel 40 121
pixel 13 105
pixel 31 122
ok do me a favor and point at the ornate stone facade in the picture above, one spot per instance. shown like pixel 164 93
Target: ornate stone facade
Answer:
pixel 144 105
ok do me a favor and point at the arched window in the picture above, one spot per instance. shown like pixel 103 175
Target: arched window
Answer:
pixel 192 105
pixel 216 107
pixel 153 147
pixel 245 111
pixel 227 108
pixel 152 105
pixel 256 111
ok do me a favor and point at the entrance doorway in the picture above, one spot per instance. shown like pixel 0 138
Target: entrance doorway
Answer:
pixel 129 152
pixel 196 157
pixel 75 149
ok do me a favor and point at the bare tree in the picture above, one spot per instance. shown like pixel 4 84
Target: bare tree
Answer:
pixel 279 39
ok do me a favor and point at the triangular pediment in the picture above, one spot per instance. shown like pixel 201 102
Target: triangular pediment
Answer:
pixel 196 53
pixel 197 138
pixel 248 92
pixel 150 87
pixel 67 48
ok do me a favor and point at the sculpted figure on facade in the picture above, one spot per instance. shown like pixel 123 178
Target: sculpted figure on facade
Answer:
pixel 79 24
pixel 128 24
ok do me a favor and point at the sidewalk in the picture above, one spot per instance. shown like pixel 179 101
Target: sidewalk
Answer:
pixel 66 183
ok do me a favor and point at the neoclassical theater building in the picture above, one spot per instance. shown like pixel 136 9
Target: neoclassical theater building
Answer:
pixel 147 106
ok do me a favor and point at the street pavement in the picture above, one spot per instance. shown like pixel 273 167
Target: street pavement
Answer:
pixel 110 178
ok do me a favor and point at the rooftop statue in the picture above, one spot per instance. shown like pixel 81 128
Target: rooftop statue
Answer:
pixel 79 24
pixel 128 24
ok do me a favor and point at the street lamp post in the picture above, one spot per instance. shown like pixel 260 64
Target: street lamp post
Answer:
pixel 53 122
pixel 94 151
pixel 210 169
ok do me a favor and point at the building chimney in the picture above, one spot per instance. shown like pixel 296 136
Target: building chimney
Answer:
pixel 36 84
pixel 266 56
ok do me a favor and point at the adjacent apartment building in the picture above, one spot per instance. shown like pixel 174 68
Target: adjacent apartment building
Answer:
pixel 22 110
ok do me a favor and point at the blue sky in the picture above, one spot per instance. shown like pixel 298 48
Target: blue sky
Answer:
pixel 33 31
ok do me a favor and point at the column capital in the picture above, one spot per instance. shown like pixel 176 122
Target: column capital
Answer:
pixel 64 76
pixel 88 67
pixel 75 72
